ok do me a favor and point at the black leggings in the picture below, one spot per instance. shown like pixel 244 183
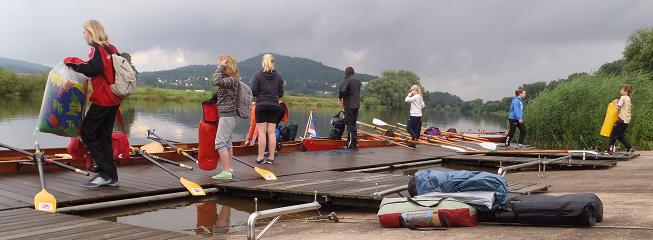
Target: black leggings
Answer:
pixel 514 124
pixel 414 127
pixel 96 131
pixel 618 133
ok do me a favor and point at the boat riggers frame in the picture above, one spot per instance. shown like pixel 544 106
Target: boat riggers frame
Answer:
pixel 180 151
pixel 276 213
pixel 45 158
pixel 540 162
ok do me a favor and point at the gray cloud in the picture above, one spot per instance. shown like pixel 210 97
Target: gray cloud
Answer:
pixel 475 49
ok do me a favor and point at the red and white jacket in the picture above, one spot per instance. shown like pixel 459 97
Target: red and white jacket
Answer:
pixel 99 68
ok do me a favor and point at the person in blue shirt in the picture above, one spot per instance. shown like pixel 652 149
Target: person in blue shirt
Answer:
pixel 516 117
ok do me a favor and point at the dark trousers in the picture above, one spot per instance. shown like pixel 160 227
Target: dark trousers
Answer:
pixel 514 124
pixel 351 116
pixel 96 134
pixel 618 133
pixel 414 127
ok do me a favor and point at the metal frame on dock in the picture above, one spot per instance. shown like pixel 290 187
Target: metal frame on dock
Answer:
pixel 276 213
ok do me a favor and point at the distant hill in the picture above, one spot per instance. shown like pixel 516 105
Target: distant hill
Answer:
pixel 301 75
pixel 19 66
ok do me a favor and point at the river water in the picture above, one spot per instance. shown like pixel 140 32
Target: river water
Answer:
pixel 179 121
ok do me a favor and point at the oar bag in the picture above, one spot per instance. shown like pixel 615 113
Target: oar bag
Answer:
pixel 337 127
pixel 427 181
pixel 64 102
pixel 421 213
pixel 207 156
pixel 579 209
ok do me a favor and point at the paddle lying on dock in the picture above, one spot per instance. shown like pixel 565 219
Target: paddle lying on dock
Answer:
pixel 43 201
pixel 486 145
pixel 266 174
pixel 44 158
pixel 442 143
pixel 179 150
pixel 194 188
pixel 155 147
pixel 385 138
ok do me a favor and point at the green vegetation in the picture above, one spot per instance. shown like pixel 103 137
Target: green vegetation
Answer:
pixel 570 113
pixel 14 85
pixel 390 89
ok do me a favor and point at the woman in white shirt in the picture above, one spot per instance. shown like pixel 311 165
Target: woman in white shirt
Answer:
pixel 414 126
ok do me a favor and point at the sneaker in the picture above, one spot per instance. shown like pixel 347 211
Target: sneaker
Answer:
pixel 259 161
pixel 224 175
pixel 113 183
pixel 631 151
pixel 97 181
pixel 268 161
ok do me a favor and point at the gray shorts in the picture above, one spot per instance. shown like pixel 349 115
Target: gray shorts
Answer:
pixel 226 127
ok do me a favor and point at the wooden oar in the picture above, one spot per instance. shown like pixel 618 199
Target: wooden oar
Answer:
pixel 180 151
pixel 43 201
pixel 44 158
pixel 486 145
pixel 430 140
pixel 380 122
pixel 194 188
pixel 266 174
pixel 384 138
pixel 458 149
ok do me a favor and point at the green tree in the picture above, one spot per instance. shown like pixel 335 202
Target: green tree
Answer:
pixel 638 54
pixel 391 88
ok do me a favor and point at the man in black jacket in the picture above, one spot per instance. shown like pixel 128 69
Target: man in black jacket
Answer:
pixel 350 97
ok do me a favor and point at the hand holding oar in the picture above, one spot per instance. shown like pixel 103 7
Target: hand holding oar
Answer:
pixel 179 150
pixel 194 188
pixel 266 174
pixel 43 201
pixel 46 159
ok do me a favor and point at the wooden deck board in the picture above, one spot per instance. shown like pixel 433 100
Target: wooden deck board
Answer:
pixel 31 224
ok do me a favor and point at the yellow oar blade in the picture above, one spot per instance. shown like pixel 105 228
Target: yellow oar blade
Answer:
pixel 44 201
pixel 153 147
pixel 267 175
pixel 194 188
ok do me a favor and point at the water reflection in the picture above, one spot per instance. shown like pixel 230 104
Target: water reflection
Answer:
pixel 179 121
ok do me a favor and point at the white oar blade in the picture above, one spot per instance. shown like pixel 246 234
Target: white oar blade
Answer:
pixel 488 145
pixel 379 122
pixel 457 149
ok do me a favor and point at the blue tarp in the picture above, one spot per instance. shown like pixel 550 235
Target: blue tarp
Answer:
pixel 428 181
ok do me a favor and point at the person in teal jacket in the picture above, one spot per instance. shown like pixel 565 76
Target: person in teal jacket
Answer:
pixel 516 117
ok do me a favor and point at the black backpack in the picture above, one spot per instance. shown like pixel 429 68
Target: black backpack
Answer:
pixel 337 127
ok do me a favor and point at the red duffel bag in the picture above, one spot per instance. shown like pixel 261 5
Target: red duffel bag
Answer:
pixel 207 156
pixel 119 142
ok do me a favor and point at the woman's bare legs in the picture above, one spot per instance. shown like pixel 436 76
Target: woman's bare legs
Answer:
pixel 260 128
pixel 271 129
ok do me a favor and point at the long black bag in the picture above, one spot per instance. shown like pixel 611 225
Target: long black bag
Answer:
pixel 579 209
pixel 337 127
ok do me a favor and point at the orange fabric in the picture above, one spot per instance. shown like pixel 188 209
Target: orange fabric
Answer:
pixel 252 123
pixel 285 110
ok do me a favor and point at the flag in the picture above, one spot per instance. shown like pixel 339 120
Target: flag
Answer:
pixel 312 130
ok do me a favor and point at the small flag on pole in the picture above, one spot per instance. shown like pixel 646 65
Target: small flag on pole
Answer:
pixel 312 130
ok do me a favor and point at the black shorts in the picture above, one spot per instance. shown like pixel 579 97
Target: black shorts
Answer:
pixel 267 113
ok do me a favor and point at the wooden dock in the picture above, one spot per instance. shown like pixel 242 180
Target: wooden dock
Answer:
pixel 27 223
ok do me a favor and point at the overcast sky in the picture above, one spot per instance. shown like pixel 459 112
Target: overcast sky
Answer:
pixel 474 49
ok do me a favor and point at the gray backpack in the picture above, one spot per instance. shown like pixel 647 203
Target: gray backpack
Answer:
pixel 125 77
pixel 243 100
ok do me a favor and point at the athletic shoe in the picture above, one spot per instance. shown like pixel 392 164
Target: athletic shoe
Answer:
pixel 268 161
pixel 631 151
pixel 113 183
pixel 97 181
pixel 224 175
pixel 259 161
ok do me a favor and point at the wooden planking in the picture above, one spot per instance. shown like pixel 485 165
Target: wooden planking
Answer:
pixel 31 224
pixel 507 161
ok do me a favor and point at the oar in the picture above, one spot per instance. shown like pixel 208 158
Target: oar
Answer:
pixel 429 140
pixel 180 151
pixel 194 188
pixel 266 174
pixel 458 149
pixel 155 147
pixel 385 138
pixel 380 122
pixel 46 159
pixel 43 201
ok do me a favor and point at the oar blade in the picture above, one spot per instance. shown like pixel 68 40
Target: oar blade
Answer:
pixel 457 149
pixel 194 188
pixel 379 122
pixel 153 147
pixel 266 174
pixel 44 201
pixel 488 145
